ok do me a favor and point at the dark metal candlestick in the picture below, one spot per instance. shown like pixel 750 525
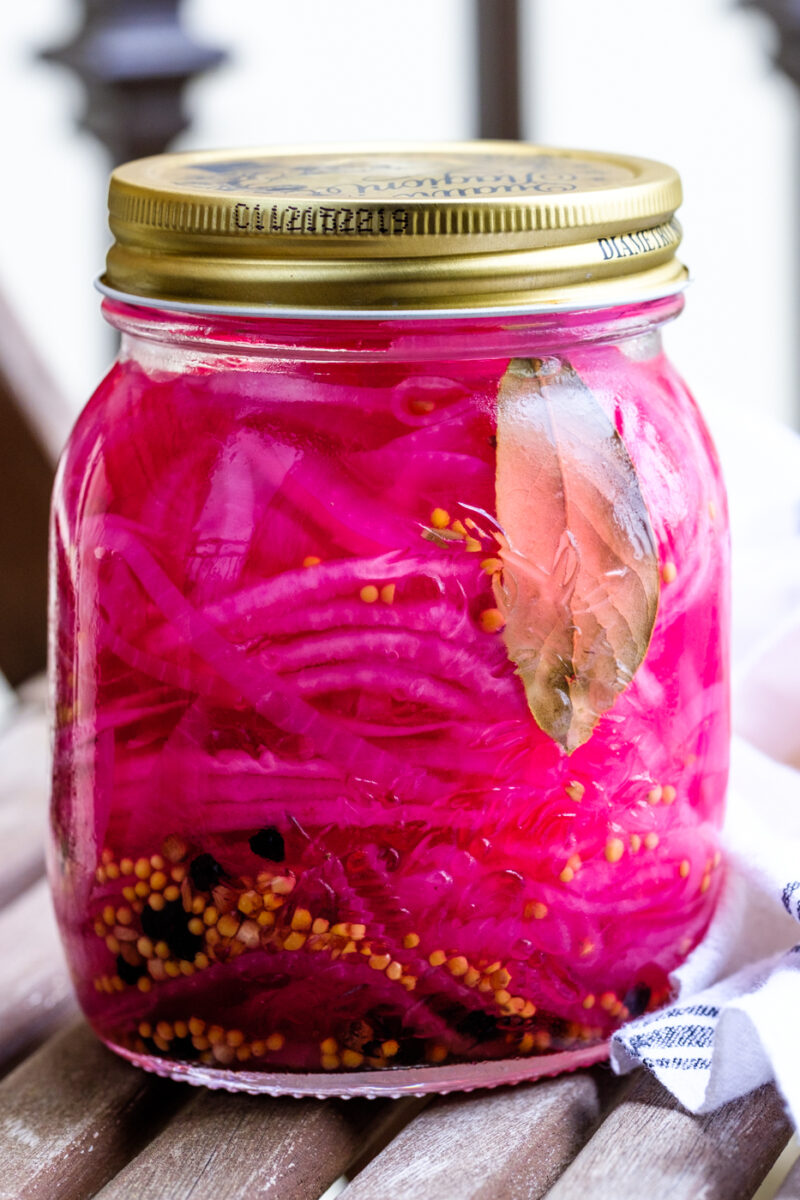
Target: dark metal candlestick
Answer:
pixel 786 15
pixel 135 59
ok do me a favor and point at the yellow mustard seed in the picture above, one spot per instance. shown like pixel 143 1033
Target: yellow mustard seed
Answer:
pixel 174 848
pixel 301 919
pixel 615 848
pixel 491 620
pixel 227 925
pixel 283 885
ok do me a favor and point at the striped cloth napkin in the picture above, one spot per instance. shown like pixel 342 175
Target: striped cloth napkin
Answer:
pixel 733 1026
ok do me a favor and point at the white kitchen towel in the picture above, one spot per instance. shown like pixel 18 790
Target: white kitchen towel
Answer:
pixel 734 1023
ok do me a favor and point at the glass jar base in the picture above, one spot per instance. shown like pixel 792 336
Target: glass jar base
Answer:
pixel 390 1083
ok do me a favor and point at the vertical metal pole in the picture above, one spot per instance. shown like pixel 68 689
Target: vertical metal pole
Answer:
pixel 786 15
pixel 498 33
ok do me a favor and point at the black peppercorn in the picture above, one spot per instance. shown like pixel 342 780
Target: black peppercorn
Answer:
pixel 268 843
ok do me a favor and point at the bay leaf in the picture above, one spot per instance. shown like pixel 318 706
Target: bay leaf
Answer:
pixel 579 587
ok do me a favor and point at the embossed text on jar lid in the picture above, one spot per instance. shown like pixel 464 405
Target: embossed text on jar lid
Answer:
pixel 458 226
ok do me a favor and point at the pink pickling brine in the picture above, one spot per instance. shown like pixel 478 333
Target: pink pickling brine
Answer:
pixel 390 687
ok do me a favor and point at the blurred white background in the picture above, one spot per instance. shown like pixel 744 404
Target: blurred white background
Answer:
pixel 689 81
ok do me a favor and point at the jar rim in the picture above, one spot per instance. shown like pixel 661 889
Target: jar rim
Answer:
pixel 543 305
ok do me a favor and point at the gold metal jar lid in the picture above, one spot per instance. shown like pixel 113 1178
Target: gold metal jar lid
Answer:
pixel 481 226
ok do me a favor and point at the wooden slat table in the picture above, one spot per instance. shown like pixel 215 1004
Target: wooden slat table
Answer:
pixel 77 1122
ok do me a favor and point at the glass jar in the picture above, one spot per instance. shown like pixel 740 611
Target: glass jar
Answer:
pixel 388 645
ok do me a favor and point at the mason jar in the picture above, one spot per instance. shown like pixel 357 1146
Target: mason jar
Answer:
pixel 389 621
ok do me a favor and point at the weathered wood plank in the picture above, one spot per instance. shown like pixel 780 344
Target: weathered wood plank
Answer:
pixel 72 1115
pixel 649 1145
pixel 34 390
pixel 790 1189
pixel 36 995
pixel 510 1143
pixel 243 1147
pixel 24 789
pixel 27 397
